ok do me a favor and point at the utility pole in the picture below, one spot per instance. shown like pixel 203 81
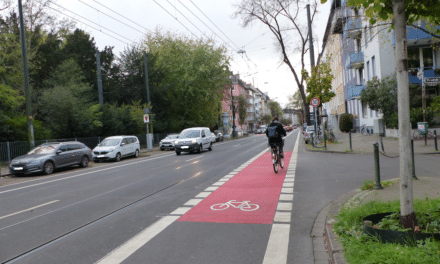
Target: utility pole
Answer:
pixel 149 145
pixel 30 127
pixel 312 59
pixel 233 112
pixel 98 67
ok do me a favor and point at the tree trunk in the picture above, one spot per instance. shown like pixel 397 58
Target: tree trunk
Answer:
pixel 407 215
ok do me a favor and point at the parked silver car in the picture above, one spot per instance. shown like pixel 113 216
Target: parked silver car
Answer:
pixel 117 147
pixel 308 133
pixel 168 142
pixel 50 156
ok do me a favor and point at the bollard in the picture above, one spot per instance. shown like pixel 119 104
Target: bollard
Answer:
pixel 381 142
pixel 349 135
pixel 435 140
pixel 325 141
pixel 377 184
pixel 412 160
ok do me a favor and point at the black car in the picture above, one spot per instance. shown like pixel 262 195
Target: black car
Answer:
pixel 50 156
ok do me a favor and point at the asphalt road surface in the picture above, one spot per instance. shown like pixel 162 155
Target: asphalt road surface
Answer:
pixel 220 206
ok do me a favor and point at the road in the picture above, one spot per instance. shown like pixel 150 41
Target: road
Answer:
pixel 136 211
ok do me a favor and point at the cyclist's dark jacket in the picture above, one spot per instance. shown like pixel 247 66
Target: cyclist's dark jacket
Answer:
pixel 280 130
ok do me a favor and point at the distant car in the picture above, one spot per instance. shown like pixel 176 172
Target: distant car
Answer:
pixel 213 138
pixel 194 139
pixel 168 142
pixel 116 147
pixel 219 136
pixel 308 133
pixel 50 156
pixel 260 131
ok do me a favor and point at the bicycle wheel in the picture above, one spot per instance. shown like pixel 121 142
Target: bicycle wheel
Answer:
pixel 364 131
pixel 249 207
pixel 220 206
pixel 332 137
pixel 282 162
pixel 416 135
pixel 318 142
pixel 276 164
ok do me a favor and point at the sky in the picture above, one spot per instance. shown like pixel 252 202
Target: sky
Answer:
pixel 127 21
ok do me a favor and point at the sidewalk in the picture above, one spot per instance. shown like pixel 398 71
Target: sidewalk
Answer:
pixel 364 144
pixel 423 187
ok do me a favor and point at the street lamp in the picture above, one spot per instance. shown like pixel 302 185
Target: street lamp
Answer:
pixel 233 107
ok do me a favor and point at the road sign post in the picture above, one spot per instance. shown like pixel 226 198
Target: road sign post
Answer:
pixel 315 103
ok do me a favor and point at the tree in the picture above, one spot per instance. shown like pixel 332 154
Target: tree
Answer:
pixel 242 109
pixel 65 104
pixel 275 109
pixel 195 77
pixel 381 95
pixel 286 121
pixel 281 17
pixel 319 83
pixel 402 13
pixel 266 119
pixel 295 101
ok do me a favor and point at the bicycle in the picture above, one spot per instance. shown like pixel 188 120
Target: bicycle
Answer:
pixel 365 131
pixel 277 157
pixel 244 206
pixel 331 136
pixel 318 141
pixel 417 136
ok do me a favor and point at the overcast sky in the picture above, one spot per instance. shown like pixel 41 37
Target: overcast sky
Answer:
pixel 260 64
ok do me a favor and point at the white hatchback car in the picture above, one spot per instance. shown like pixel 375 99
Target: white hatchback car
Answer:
pixel 116 147
pixel 194 139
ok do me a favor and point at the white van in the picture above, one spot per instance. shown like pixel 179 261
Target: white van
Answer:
pixel 194 139
pixel 116 148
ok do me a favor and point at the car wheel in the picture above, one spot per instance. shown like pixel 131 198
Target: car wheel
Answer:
pixel 177 153
pixel 118 157
pixel 136 154
pixel 199 149
pixel 162 149
pixel 84 162
pixel 210 147
pixel 48 168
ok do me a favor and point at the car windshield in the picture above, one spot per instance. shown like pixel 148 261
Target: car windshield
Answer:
pixel 190 134
pixel 109 142
pixel 42 150
pixel 172 137
pixel 310 128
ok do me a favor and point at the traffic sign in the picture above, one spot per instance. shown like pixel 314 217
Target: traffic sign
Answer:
pixel 146 118
pixel 315 102
pixel 432 81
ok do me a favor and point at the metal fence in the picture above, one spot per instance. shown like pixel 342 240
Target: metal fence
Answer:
pixel 11 150
pixel 358 143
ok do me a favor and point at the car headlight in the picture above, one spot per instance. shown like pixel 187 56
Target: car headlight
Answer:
pixel 194 141
pixel 176 142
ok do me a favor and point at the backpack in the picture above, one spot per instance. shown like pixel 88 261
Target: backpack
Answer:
pixel 272 132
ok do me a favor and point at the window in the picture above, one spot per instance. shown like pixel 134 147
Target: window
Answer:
pixel 365 36
pixel 377 113
pixel 427 57
pixel 364 110
pixel 368 70
pixel 413 58
pixel 371 32
pixel 203 133
pixel 373 66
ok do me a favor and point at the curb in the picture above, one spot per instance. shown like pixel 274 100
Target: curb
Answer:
pixel 323 238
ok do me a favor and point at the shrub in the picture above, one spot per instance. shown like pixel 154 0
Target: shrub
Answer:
pixel 416 115
pixel 346 122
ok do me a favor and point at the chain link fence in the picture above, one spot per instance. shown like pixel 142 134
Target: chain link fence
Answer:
pixel 11 150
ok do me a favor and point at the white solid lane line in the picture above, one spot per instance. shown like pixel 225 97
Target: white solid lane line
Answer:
pixel 120 254
pixel 32 208
pixel 276 251
pixel 74 176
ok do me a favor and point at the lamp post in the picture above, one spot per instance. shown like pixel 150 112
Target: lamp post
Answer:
pixel 233 111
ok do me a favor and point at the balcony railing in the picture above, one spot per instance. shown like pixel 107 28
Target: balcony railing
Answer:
pixel 354 91
pixel 417 37
pixel 339 16
pixel 429 72
pixel 355 60
pixel 353 28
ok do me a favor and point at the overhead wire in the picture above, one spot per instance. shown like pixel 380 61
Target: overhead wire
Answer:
pixel 176 19
pixel 88 25
pixel 186 18
pixel 92 22
pixel 122 16
pixel 99 11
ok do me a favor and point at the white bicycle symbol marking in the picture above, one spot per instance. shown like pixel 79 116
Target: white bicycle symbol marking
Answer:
pixel 244 206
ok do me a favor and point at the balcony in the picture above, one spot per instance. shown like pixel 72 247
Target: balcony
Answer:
pixel 355 91
pixel 355 60
pixel 339 17
pixel 429 73
pixel 416 37
pixel 353 28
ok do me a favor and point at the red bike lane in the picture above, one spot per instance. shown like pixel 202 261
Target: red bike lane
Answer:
pixel 249 197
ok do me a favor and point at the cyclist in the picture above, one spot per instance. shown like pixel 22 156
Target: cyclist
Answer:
pixel 275 132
